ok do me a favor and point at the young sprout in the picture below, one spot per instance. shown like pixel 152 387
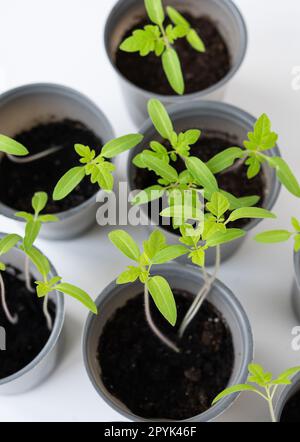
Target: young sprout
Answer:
pixel 253 155
pixel 160 38
pixel 155 252
pixel 6 244
pixel 97 167
pixel 278 236
pixel 46 285
pixel 11 147
pixel 34 224
pixel 262 384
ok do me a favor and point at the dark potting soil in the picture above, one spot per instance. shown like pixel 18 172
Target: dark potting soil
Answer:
pixel 18 182
pixel 291 412
pixel 235 182
pixel 26 339
pixel 201 70
pixel 155 382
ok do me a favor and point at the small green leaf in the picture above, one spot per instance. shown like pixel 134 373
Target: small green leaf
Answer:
pixel 145 196
pixel 285 175
pixel 155 11
pixel 39 202
pixel 38 259
pixel 225 159
pixel 195 41
pixel 2 267
pixel 226 237
pixel 254 167
pixel 234 389
pixel 12 147
pixel 202 174
pixel 273 236
pixel 296 224
pixel 172 68
pixel 198 257
pixel 48 218
pixel 68 183
pixel 218 205
pixel 297 243
pixel 176 17
pixel 238 203
pixel 251 213
pixel 8 242
pixel 125 243
pixel 163 297
pixel 169 254
pixel 24 215
pixel 130 275
pixel 78 294
pixel 160 167
pixel 119 145
pixel 285 377
pixel 160 118
pixel 155 243
pixel 258 375
pixel 32 231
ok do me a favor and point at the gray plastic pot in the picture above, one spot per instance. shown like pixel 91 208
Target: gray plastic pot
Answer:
pixel 223 13
pixel 23 107
pixel 296 285
pixel 41 367
pixel 211 118
pixel 180 277
pixel 285 395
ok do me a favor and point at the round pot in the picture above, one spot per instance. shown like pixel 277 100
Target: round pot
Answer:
pixel 40 368
pixel 285 395
pixel 296 285
pixel 223 13
pixel 179 277
pixel 211 117
pixel 23 107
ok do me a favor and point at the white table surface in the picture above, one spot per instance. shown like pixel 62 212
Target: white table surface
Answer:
pixel 60 41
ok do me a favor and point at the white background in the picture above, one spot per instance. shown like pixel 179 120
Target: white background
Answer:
pixel 61 41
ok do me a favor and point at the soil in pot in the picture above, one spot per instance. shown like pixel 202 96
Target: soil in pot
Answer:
pixel 26 339
pixel 201 70
pixel 291 411
pixel 153 381
pixel 234 182
pixel 18 182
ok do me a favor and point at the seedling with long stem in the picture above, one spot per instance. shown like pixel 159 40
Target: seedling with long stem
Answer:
pixel 262 384
pixel 159 38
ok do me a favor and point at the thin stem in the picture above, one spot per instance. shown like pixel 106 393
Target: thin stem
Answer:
pixel 27 275
pixel 271 407
pixel 13 319
pixel 153 327
pixel 38 156
pixel 200 298
pixel 46 313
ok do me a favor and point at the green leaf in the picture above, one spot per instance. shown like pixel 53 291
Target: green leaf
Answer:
pixel 155 11
pixel 297 243
pixel 176 17
pixel 32 231
pixel 155 243
pixel 258 375
pixel 160 167
pixel 160 118
pixel 125 243
pixel 285 377
pixel 202 174
pixel 296 224
pixel 192 136
pixel 8 242
pixel 198 257
pixel 2 267
pixel 68 183
pixel 234 389
pixel 145 196
pixel 225 159
pixel 169 254
pixel 182 213
pixel 273 236
pixel 12 147
pixel 285 175
pixel 218 205
pixel 130 275
pixel 226 237
pixel 39 202
pixel 251 213
pixel 262 138
pixel 238 203
pixel 48 218
pixel 24 215
pixel 78 294
pixel 172 68
pixel 254 167
pixel 195 41
pixel 163 297
pixel 120 145
pixel 38 259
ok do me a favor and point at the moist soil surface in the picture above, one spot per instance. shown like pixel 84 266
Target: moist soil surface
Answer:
pixel 291 412
pixel 18 182
pixel 153 381
pixel 201 70
pixel 26 339
pixel 234 182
